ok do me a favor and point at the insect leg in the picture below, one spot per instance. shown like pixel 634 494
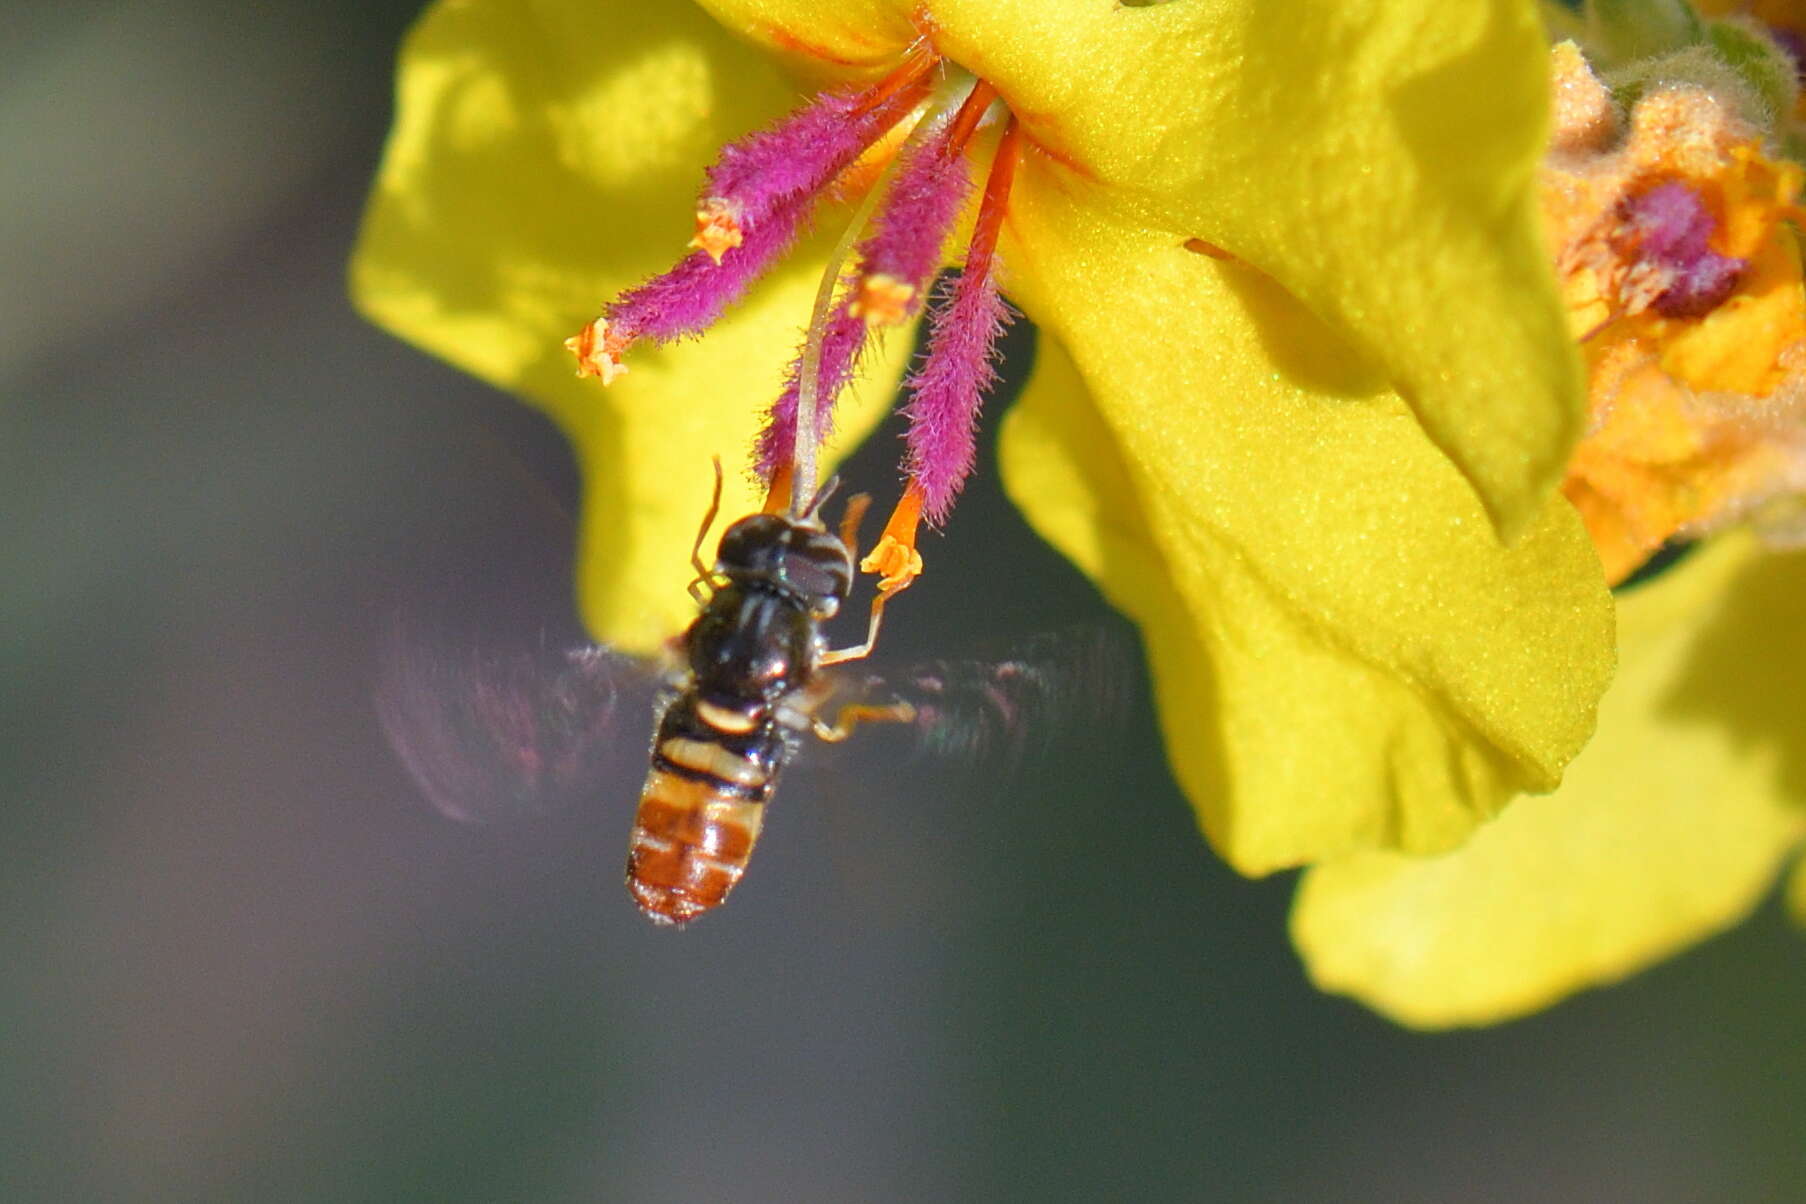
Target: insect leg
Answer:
pixel 704 574
pixel 708 520
pixel 853 714
pixel 838 656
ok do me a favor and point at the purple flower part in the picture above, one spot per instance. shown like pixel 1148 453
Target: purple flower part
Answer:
pixel 691 296
pixel 1700 287
pixel 842 343
pixel 920 207
pixel 923 202
pixel 765 171
pixel 948 389
pixel 1670 221
pixel 1672 228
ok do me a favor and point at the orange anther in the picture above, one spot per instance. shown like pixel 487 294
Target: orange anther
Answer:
pixel 717 229
pixel 894 558
pixel 882 299
pixel 598 351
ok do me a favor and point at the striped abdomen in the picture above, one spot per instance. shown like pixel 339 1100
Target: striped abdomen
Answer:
pixel 701 809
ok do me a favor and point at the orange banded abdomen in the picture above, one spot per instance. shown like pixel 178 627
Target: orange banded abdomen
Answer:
pixel 698 819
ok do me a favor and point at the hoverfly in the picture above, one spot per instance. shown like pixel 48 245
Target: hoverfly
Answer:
pixel 750 683
pixel 486 736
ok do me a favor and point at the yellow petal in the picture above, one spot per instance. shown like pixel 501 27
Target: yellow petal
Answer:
pixel 545 157
pixel 1345 655
pixel 1669 826
pixel 1376 157
pixel 821 37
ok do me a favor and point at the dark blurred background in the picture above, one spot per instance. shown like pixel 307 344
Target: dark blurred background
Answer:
pixel 243 961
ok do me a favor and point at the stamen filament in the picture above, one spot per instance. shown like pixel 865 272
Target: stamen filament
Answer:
pixel 971 112
pixel 948 389
pixel 917 63
pixel 777 494
pixel 758 199
pixel 997 192
pixel 802 456
pixel 808 436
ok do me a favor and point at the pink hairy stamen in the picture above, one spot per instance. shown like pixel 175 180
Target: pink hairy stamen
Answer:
pixel 804 153
pixel 896 262
pixel 692 296
pixel 842 344
pixel 759 198
pixel 948 389
pixel 900 257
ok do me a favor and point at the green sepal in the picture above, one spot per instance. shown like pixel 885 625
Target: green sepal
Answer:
pixel 1700 67
pixel 1762 63
pixel 1623 31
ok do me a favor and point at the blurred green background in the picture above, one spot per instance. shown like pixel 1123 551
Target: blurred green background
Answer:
pixel 243 961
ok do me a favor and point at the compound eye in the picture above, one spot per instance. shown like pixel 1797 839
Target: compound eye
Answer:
pixel 750 544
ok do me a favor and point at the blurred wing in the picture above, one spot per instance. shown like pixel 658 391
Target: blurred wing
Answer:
pixel 491 735
pixel 1076 684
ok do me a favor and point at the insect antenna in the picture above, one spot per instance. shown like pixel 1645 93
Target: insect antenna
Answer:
pixel 821 498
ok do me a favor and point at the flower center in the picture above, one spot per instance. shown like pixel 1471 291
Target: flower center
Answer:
pixel 921 120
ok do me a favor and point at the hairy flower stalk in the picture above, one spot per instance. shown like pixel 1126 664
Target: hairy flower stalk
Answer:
pixel 690 297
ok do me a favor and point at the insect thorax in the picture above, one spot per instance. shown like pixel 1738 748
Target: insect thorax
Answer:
pixel 759 636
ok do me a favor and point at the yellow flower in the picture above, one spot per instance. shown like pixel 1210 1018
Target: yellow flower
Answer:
pixel 1683 283
pixel 1268 256
pixel 1670 826
pixel 1686 287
